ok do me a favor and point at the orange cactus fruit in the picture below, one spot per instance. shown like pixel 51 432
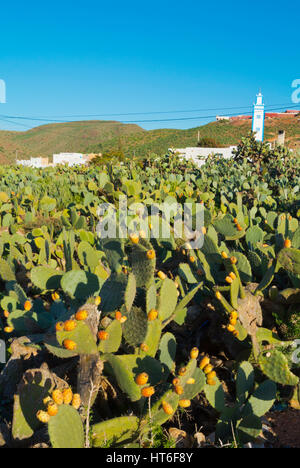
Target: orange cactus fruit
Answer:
pixel 67 396
pixel 142 379
pixel 57 397
pixel 70 325
pixel 228 280
pixel 147 392
pixel 182 371
pixel 52 409
pixel 151 254
pixel 194 353
pixel 233 260
pixel 103 335
pixel 27 306
pixel 191 381
pixel 208 369
pixel 235 220
pixel 179 389
pixel 211 382
pixel 167 408
pixel 224 255
pixel 184 403
pixel 134 238
pixel 161 275
pixel 239 228
pixel 6 313
pixel 144 347
pixel 70 345
pixel 81 315
pixel 233 322
pixel 204 362
pixel 59 326
pixel 55 296
pixel 176 381
pixel 97 300
pixel 211 375
pixel 8 329
pixel 232 275
pixel 234 315
pixel 287 244
pixel 152 315
pixel 43 416
pixel 118 315
pixel 123 319
pixel 204 230
pixel 192 259
pixel 47 400
pixel 230 328
pixel 236 333
pixel 76 401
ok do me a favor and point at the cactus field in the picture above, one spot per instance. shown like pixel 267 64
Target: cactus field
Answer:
pixel 112 342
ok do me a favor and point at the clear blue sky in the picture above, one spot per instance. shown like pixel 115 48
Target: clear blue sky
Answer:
pixel 95 57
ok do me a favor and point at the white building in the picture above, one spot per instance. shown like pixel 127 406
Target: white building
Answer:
pixel 71 159
pixel 199 155
pixel 258 120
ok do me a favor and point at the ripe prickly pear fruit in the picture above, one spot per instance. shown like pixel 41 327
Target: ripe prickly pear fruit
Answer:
pixel 43 417
pixel 184 403
pixel 27 306
pixel 103 335
pixel 57 397
pixel 167 408
pixel 76 401
pixel 142 379
pixel 194 353
pixel 67 396
pixel 148 391
pixel 287 244
pixel 204 362
pixel 97 300
pixel 179 389
pixel 70 325
pixel 52 409
pixel 152 315
pixel 81 315
pixel 151 254
pixel 69 345
pixel 59 326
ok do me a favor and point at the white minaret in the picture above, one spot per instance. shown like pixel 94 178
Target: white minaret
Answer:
pixel 258 120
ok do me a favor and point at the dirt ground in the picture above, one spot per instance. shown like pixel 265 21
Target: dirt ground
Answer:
pixel 286 428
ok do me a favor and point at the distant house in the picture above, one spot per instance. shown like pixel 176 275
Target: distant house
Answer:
pixel 70 159
pixel 199 155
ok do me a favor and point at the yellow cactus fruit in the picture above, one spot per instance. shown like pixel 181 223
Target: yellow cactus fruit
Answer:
pixel 76 401
pixel 123 319
pixel 144 347
pixel 81 315
pixel 239 228
pixel 59 326
pixel 57 397
pixel 211 375
pixel 142 379
pixel 70 325
pixel 28 306
pixel 55 296
pixel 204 231
pixel 228 280
pixel 234 315
pixel 191 381
pixel 43 416
pixel 176 381
pixel 70 345
pixel 52 409
pixel 103 335
pixel 167 408
pixel 67 395
pixel 8 329
pixel 204 362
pixel 192 259
pixel 224 255
pixel 151 254
pixel 218 295
pixel 152 315
pixel 230 328
pixel 208 369
pixel 179 389
pixel 233 322
pixel 184 403
pixel 232 275
pixel 287 244
pixel 235 220
pixel 97 300
pixel 148 392
pixel 134 238
pixel 161 275
pixel 6 313
pixel 194 353
pixel 233 260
